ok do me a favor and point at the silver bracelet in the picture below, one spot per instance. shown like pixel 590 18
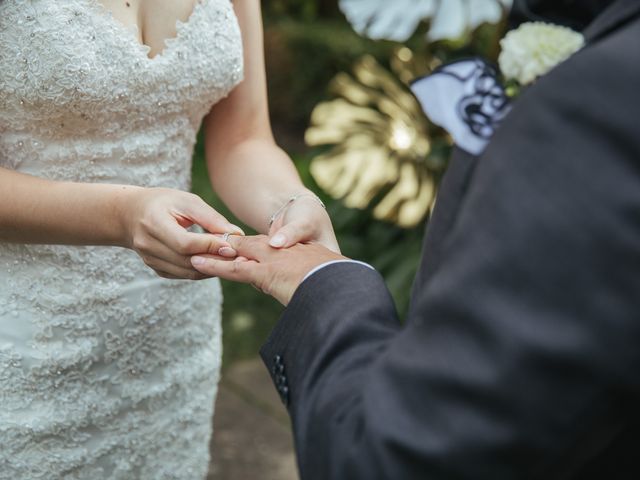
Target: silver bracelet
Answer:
pixel 292 199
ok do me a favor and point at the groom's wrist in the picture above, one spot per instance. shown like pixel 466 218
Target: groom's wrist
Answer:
pixel 315 311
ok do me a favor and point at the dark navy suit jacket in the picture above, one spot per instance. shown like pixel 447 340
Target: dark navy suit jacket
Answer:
pixel 520 356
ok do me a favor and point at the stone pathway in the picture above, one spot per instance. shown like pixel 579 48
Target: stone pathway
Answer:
pixel 251 437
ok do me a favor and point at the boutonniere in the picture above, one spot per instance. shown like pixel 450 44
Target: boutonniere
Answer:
pixel 470 98
pixel 534 49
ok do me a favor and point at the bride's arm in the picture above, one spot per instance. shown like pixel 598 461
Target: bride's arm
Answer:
pixel 147 220
pixel 35 210
pixel 252 175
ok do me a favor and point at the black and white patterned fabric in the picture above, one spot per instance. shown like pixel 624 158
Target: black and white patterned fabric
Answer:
pixel 465 98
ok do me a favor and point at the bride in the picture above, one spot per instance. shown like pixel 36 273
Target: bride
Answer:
pixel 108 368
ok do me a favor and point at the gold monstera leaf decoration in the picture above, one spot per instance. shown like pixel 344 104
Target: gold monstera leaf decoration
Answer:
pixel 380 143
pixel 407 66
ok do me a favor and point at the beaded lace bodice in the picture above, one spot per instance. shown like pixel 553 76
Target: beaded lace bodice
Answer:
pixel 106 371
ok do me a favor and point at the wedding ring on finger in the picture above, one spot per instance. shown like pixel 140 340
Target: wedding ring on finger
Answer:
pixel 227 251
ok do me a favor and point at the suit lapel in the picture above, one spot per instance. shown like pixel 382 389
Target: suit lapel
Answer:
pixel 614 16
pixel 452 190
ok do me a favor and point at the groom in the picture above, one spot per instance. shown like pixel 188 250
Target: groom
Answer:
pixel 520 356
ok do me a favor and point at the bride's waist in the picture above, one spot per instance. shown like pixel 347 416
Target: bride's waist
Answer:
pixel 79 280
pixel 64 264
pixel 147 160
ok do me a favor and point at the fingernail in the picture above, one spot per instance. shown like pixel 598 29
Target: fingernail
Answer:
pixel 197 261
pixel 278 240
pixel 236 229
pixel 227 252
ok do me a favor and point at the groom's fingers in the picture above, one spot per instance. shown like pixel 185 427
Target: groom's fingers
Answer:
pixel 256 247
pixel 245 271
pixel 160 250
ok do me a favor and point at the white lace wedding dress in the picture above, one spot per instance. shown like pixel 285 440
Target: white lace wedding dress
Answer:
pixel 106 370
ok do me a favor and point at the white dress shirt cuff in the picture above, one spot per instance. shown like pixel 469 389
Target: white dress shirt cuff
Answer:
pixel 326 264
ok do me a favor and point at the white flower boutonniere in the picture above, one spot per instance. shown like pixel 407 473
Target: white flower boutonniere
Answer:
pixel 534 49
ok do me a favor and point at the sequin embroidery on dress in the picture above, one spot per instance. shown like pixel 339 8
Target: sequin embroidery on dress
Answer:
pixel 106 370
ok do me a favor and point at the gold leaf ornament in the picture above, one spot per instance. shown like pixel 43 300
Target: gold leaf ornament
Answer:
pixel 379 144
pixel 408 66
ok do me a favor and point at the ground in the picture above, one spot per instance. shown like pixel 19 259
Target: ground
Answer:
pixel 251 436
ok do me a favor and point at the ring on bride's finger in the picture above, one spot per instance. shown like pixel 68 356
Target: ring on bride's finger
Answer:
pixel 225 237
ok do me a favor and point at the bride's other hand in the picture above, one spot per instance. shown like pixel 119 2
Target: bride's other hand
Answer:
pixel 156 222
pixel 252 175
pixel 305 220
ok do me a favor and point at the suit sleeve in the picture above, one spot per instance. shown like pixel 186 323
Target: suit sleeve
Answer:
pixel 520 357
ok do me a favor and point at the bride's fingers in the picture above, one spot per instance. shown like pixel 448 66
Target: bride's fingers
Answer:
pixel 160 250
pixel 291 234
pixel 208 218
pixel 167 275
pixel 245 271
pixel 168 270
pixel 187 243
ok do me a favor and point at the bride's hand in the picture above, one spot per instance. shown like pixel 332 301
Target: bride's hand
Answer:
pixel 303 221
pixel 155 226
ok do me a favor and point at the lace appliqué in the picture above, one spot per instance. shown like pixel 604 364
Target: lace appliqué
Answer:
pixel 106 370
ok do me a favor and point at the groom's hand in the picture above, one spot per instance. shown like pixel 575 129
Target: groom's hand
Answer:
pixel 276 272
